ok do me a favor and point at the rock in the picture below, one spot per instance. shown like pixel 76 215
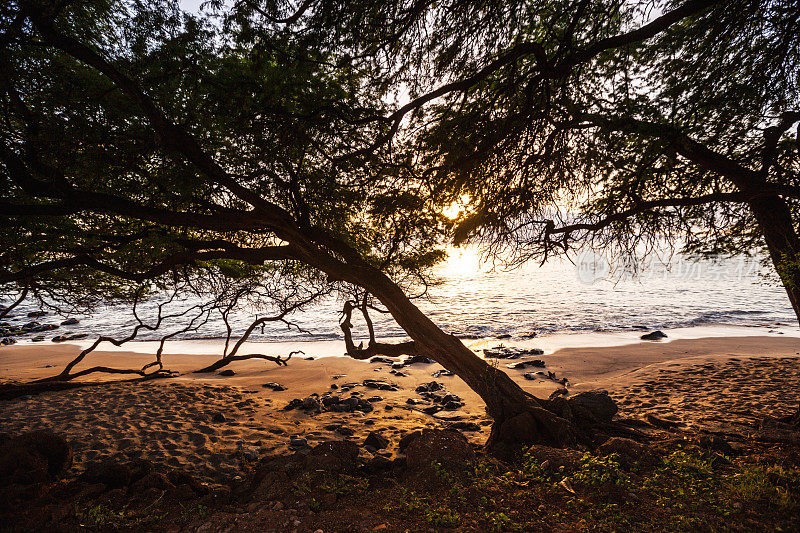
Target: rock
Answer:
pixel 378 464
pixel 536 363
pixel 441 373
pixel 293 404
pixel 277 387
pixel 7 341
pixel 558 393
pixel 227 373
pixel 218 417
pixel 37 314
pixel 384 360
pixel 449 449
pixel 433 409
pixel 108 472
pixel 345 431
pixel 629 451
pixel 503 352
pixel 333 456
pixel 406 439
pixel 311 403
pixel 465 426
pixel 430 387
pixel 376 440
pixel 654 336
pixel 70 322
pixel 70 337
pixel 52 449
pixel 379 384
pixel 21 466
pixel 414 359
pixel 38 338
pixel 298 442
pixel 398 366
pixel 449 416
pixel 600 406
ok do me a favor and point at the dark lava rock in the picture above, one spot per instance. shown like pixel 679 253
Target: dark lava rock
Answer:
pixel 109 472
pixel 298 442
pixel 433 409
pixel 277 387
pixel 293 404
pixel 7 341
pixel 419 359
pixel 384 360
pixel 430 387
pixel 378 464
pixel 597 403
pixel 333 456
pixel 70 322
pixel 415 401
pixel 447 448
pixel 558 392
pixel 629 451
pixel 406 439
pixel 535 363
pixel 311 403
pixel 376 440
pixel 218 417
pixel 53 450
pixel 503 352
pixel 37 314
pixel 345 431
pixel 654 336
pixel 398 366
pixel 442 373
pixel 379 384
pixel 465 426
pixel 228 372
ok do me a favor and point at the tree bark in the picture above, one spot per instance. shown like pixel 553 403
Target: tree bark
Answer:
pixel 783 243
pixel 519 418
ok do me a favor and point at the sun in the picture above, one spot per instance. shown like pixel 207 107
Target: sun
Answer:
pixel 457 208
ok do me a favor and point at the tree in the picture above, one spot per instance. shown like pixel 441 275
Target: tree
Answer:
pixel 623 125
pixel 147 150
pixel 614 124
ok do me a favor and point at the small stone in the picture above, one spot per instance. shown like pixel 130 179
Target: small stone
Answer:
pixel 654 336
pixel 376 440
pixel 298 442
pixel 227 373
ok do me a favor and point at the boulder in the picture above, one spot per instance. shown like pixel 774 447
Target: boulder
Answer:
pixel 599 406
pixel 111 473
pixel 419 359
pixel 429 387
pixel 376 440
pixel 629 451
pixel 21 466
pixel 333 456
pixel 227 373
pixel 406 439
pixel 654 336
pixel 52 449
pixel 448 448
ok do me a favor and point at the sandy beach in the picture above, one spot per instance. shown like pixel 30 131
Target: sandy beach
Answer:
pixel 213 425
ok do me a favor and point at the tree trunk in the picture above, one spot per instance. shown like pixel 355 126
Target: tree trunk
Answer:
pixel 519 418
pixel 783 243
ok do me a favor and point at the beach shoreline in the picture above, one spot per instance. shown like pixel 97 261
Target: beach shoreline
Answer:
pixel 172 420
